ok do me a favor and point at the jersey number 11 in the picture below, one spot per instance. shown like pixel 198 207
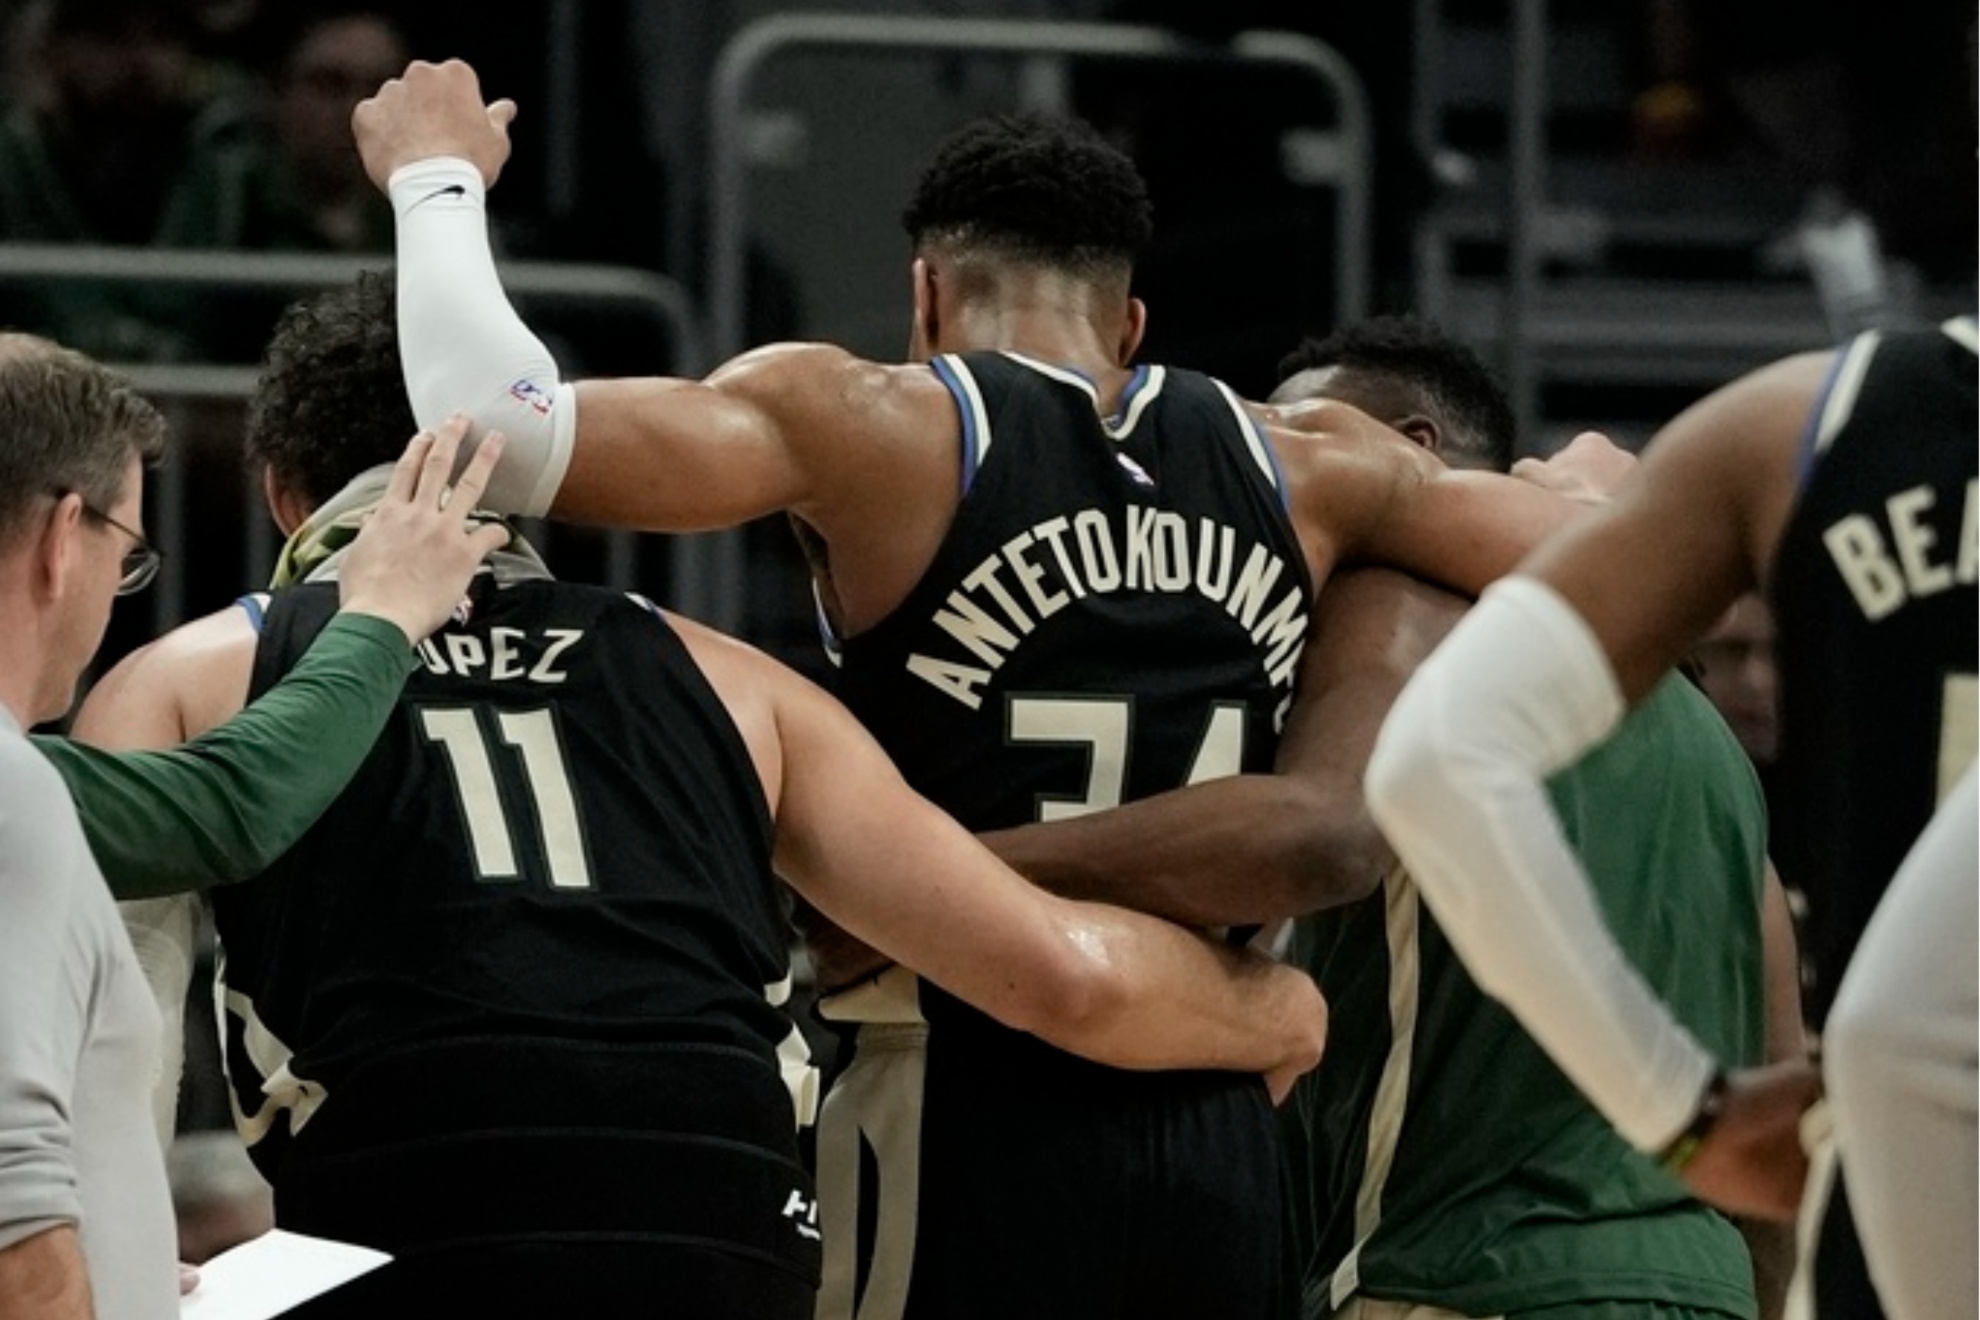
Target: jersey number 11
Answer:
pixel 529 740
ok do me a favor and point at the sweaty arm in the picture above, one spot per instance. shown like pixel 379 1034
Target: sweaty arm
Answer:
pixel 1539 672
pixel 1254 848
pixel 1361 493
pixel 1115 986
pixel 805 428
pixel 226 805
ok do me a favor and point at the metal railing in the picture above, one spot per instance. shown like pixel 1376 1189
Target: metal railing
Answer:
pixel 659 301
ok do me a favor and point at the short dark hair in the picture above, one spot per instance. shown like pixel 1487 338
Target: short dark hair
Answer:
pixel 1420 354
pixel 331 400
pixel 1037 189
pixel 67 423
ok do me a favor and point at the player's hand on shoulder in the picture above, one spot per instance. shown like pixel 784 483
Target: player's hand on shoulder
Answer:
pixel 432 110
pixel 421 546
pixel 1588 468
pixel 1752 1162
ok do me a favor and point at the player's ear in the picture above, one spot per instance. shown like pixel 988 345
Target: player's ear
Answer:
pixel 922 335
pixel 288 508
pixel 1423 431
pixel 1133 327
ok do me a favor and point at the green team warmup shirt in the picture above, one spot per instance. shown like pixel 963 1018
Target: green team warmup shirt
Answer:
pixel 224 806
pixel 1447 1161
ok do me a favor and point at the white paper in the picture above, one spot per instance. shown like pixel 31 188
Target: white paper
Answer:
pixel 274 1272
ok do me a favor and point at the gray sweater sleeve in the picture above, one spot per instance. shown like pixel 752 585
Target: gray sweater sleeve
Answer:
pixel 45 984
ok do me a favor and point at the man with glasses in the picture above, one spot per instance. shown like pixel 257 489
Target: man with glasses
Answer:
pixel 85 1218
pixel 139 564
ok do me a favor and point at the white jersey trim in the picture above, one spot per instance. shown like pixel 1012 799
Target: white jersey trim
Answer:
pixel 1141 391
pixel 1402 924
pixel 1848 383
pixel 954 373
pixel 269 1057
pixel 1254 439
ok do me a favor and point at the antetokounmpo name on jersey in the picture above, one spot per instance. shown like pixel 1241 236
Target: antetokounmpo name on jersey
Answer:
pixel 1040 571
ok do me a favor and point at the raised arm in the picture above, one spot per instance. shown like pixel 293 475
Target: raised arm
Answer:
pixel 1539 672
pixel 1115 986
pixel 803 428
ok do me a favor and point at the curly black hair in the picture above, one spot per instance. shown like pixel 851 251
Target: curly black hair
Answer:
pixel 331 400
pixel 1036 189
pixel 1419 354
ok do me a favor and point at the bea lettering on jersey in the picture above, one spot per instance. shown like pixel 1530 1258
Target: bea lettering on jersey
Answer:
pixel 1900 557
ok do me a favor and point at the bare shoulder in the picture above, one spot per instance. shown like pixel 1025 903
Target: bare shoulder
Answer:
pixel 1331 449
pixel 777 708
pixel 1343 470
pixel 752 687
pixel 797 374
pixel 1759 413
pixel 182 684
pixel 1738 449
pixel 726 661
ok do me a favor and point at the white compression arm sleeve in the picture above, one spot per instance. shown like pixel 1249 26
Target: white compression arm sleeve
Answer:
pixel 1519 690
pixel 462 345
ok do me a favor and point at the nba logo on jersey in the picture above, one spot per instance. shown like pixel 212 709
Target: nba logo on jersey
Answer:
pixel 528 392
pixel 1136 473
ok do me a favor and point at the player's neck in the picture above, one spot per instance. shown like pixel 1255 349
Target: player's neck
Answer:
pixel 1048 331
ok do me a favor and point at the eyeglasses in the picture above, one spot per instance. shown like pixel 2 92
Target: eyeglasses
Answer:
pixel 141 561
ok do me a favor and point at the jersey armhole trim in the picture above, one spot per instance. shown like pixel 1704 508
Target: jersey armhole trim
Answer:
pixel 255 606
pixel 1835 402
pixel 1262 452
pixel 950 370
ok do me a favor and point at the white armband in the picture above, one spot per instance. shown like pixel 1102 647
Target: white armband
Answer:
pixel 1520 689
pixel 462 345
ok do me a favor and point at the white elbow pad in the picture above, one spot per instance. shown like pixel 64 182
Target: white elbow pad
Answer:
pixel 1520 689
pixel 462 346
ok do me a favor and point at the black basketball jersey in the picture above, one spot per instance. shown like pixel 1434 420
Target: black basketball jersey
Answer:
pixel 545 901
pixel 1118 609
pixel 1875 603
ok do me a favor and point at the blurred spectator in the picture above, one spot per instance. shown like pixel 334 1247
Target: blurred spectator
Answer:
pixel 282 173
pixel 298 184
pixel 218 1197
pixel 97 147
pixel 1737 657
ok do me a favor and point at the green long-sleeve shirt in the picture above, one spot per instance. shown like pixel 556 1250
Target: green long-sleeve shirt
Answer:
pixel 224 806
